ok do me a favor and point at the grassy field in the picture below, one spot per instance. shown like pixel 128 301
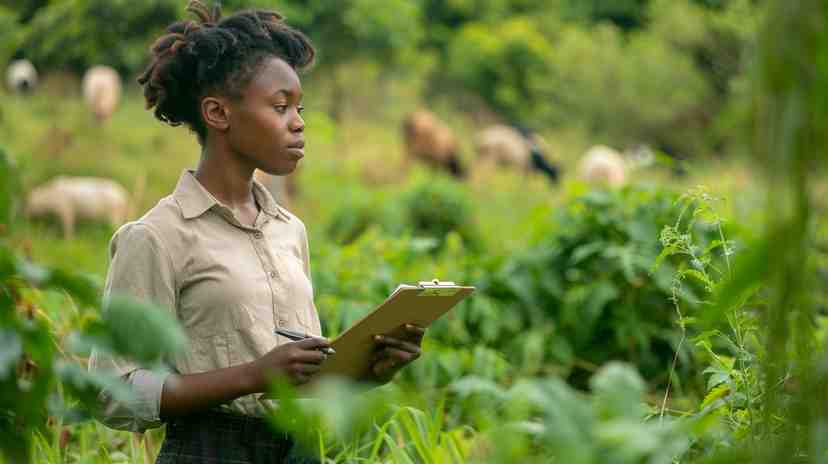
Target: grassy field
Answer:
pixel 350 165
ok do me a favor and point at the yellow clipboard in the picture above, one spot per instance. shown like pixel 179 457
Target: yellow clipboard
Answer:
pixel 420 305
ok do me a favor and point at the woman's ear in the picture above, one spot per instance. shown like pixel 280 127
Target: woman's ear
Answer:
pixel 216 113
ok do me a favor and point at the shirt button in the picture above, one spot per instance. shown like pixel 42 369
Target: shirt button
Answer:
pixel 272 274
pixel 258 234
pixel 282 322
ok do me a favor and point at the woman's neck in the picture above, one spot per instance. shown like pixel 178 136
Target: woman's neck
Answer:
pixel 227 179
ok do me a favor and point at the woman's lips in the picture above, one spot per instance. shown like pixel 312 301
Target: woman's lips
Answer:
pixel 296 152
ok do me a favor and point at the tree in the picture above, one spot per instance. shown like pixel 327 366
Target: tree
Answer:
pixel 385 31
pixel 78 34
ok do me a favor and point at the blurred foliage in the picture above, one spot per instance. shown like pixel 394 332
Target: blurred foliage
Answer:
pixel 588 290
pixel 500 62
pixel 77 34
pixel 546 64
pixel 438 207
pixel 430 210
pixel 41 378
pixel 9 193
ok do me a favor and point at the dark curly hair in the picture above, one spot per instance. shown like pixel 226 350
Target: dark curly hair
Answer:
pixel 215 55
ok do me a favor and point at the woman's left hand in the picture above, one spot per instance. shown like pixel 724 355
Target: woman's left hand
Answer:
pixel 394 353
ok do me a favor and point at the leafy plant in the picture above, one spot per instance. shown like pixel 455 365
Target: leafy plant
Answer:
pixel 589 288
pixel 436 207
pixel 42 375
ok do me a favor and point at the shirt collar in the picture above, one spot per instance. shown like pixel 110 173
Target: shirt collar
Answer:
pixel 194 200
pixel 267 203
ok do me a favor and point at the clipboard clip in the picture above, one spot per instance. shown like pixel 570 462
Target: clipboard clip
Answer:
pixel 435 283
pixel 435 287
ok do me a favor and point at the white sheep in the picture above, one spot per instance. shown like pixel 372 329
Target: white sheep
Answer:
pixel 603 165
pixel 21 77
pixel 72 198
pixel 102 91
pixel 504 146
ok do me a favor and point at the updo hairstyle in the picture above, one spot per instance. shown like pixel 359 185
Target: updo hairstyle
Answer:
pixel 212 55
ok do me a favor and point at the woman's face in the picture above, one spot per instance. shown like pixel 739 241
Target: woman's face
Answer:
pixel 266 128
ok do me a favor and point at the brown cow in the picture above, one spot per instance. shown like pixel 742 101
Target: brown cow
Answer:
pixel 427 139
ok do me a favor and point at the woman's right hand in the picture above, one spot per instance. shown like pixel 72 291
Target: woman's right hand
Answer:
pixel 296 361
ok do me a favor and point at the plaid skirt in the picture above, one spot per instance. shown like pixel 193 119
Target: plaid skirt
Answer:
pixel 218 438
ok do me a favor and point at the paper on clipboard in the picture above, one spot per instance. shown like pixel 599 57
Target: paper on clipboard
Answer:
pixel 420 305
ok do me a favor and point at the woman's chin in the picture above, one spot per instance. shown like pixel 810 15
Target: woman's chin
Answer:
pixel 285 168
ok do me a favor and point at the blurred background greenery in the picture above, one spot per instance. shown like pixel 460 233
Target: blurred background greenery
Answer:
pixel 658 322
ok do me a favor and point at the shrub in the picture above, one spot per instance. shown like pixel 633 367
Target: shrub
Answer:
pixel 588 290
pixel 352 220
pixel 438 206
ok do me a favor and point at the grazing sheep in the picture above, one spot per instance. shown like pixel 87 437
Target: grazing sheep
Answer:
pixel 72 198
pixel 283 188
pixel 21 76
pixel 603 165
pixel 429 140
pixel 508 146
pixel 102 91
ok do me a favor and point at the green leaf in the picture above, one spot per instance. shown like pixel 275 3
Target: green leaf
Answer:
pixel 618 391
pixel 87 384
pixel 137 330
pixel 716 393
pixel 472 385
pixel 750 270
pixel 698 276
pixel 11 349
pixel 7 191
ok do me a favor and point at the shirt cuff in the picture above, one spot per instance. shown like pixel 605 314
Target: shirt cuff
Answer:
pixel 144 411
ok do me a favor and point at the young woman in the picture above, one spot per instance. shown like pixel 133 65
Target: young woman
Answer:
pixel 230 263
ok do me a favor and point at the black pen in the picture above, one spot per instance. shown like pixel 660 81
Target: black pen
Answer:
pixel 296 336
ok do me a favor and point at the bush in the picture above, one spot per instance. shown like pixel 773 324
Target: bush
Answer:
pixel 438 206
pixel 499 62
pixel 352 220
pixel 588 291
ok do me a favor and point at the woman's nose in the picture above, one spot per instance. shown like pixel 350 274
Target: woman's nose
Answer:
pixel 297 124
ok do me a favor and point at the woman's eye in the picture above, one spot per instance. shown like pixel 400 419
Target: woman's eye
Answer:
pixel 300 109
pixel 280 108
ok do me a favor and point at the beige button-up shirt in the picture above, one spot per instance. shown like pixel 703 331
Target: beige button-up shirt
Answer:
pixel 228 285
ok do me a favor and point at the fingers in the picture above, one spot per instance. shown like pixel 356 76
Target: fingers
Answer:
pixel 404 345
pixel 415 332
pixel 313 343
pixel 300 372
pixel 306 369
pixel 398 356
pixel 307 356
pixel 383 368
pixel 394 357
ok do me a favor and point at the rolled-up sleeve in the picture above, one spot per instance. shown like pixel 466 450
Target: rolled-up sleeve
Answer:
pixel 140 267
